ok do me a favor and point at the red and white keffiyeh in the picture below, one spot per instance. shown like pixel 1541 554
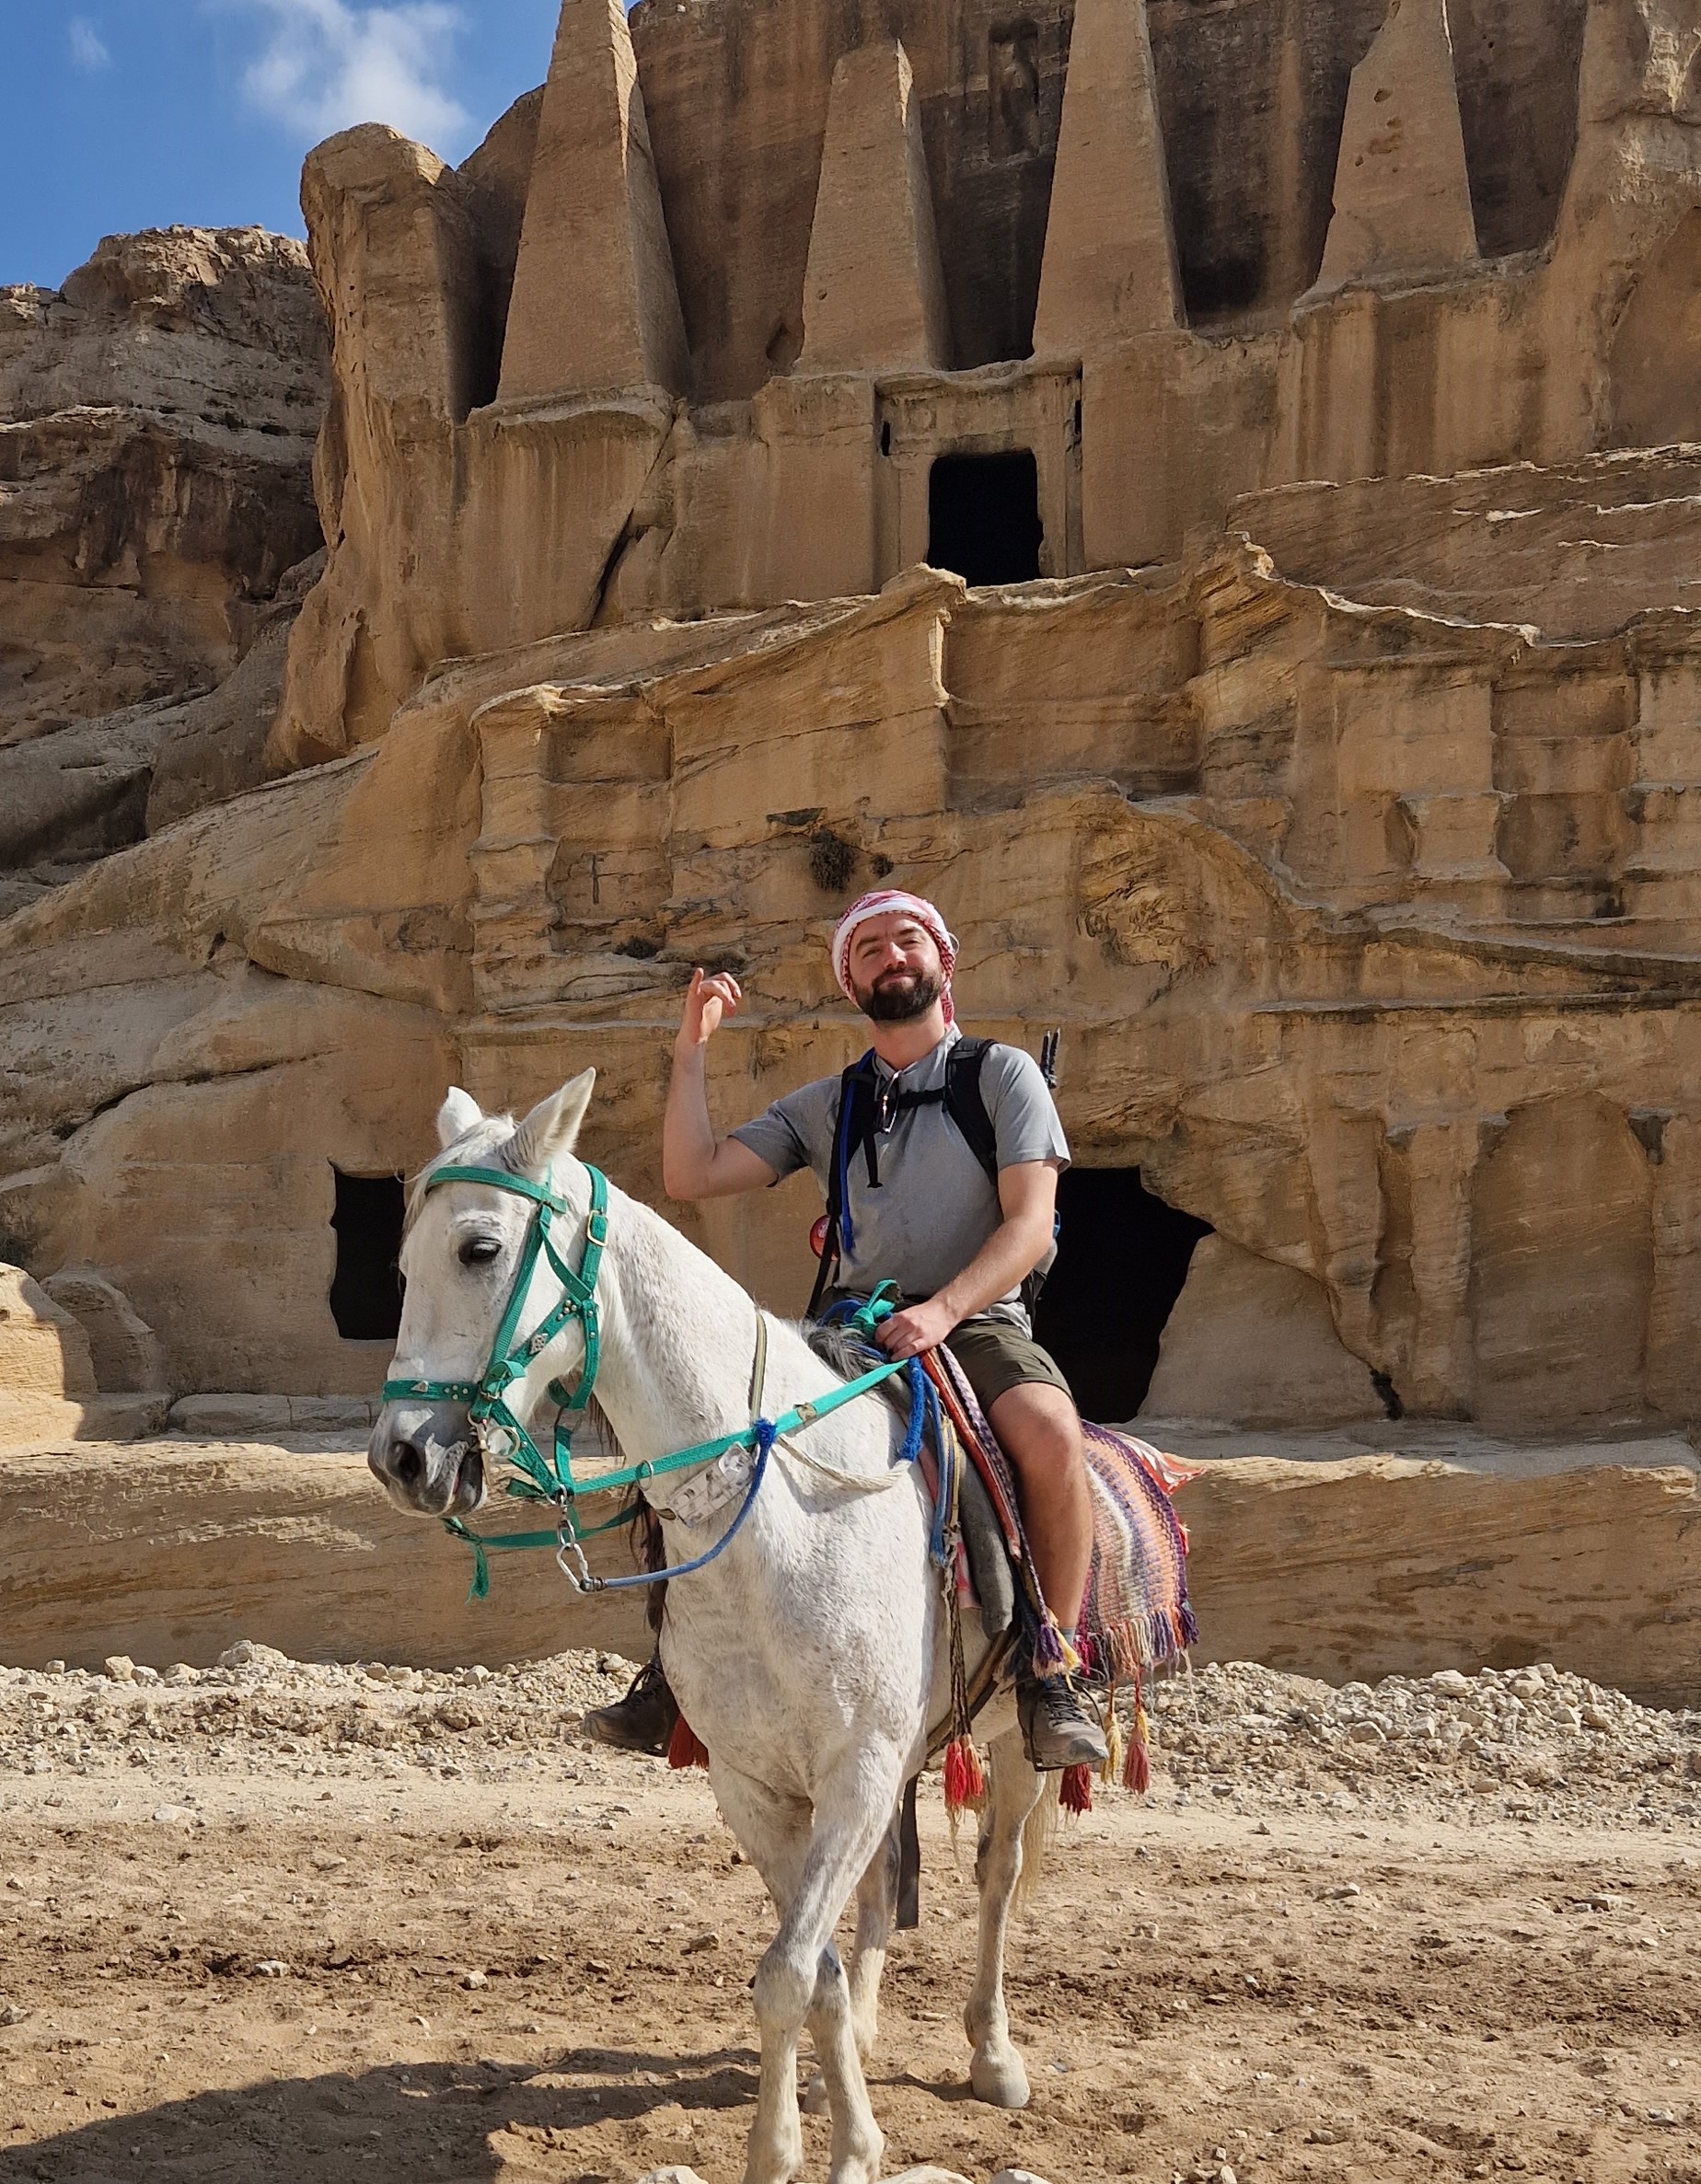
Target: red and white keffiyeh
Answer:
pixel 880 903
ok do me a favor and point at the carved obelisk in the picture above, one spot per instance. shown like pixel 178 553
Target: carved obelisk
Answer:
pixel 874 294
pixel 595 305
pixel 1109 267
pixel 1401 191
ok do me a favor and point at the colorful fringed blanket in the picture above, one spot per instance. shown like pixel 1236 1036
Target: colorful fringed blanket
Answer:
pixel 1137 1614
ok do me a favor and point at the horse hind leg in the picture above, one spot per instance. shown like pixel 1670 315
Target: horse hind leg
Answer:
pixel 876 1903
pixel 876 1906
pixel 996 2072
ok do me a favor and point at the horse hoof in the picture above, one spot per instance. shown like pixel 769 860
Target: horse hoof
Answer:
pixel 1000 2080
pixel 813 2101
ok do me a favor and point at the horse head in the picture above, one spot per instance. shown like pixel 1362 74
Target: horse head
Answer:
pixel 477 1287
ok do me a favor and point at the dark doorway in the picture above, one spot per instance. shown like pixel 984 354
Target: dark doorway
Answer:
pixel 365 1293
pixel 1122 1258
pixel 983 516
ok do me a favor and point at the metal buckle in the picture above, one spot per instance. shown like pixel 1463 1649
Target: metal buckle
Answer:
pixel 596 1227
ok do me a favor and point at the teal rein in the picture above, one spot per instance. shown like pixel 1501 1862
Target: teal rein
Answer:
pixel 550 1479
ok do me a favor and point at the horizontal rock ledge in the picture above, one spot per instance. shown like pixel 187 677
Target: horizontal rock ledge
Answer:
pixel 1357 1568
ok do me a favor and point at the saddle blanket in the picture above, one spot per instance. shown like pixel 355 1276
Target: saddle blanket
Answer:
pixel 1137 1614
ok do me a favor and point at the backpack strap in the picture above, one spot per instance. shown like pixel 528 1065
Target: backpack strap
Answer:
pixel 855 1128
pixel 853 1124
pixel 967 1106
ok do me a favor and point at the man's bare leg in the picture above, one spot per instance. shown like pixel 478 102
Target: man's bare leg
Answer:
pixel 1040 1430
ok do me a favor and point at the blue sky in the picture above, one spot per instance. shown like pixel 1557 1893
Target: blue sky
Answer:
pixel 141 113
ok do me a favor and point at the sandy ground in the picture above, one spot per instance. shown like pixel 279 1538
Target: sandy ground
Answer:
pixel 333 1924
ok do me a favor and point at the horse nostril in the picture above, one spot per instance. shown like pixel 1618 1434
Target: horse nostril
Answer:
pixel 409 1466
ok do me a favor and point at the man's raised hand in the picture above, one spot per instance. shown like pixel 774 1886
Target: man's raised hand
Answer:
pixel 708 999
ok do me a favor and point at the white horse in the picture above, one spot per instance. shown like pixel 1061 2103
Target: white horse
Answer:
pixel 810 1657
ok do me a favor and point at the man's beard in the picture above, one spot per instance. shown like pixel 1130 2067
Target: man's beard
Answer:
pixel 899 996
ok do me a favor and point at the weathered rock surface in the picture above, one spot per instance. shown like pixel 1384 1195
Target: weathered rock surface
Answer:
pixel 1378 1565
pixel 1253 1341
pixel 48 1385
pixel 1329 776
pixel 1357 1568
pixel 45 1347
pixel 787 202
pixel 170 1552
pixel 123 1350
pixel 157 417
pixel 1402 189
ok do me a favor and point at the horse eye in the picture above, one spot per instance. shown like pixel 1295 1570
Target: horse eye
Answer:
pixel 479 1251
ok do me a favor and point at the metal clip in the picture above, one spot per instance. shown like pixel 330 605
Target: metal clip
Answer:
pixel 566 1543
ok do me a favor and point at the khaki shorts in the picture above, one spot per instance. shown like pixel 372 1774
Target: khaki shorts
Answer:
pixel 996 1355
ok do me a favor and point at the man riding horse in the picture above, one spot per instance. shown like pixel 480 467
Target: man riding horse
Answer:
pixel 939 1169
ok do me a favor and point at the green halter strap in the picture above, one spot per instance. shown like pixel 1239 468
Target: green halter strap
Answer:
pixel 545 1478
pixel 549 1479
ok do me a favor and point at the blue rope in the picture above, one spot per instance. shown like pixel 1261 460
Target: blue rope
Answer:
pixel 925 1416
pixel 765 1433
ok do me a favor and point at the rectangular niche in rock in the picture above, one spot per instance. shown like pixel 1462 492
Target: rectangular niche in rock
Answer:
pixel 983 516
pixel 365 1291
pixel 1012 90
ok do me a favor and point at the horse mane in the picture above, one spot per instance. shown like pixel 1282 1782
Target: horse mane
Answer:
pixel 485 1145
pixel 488 1143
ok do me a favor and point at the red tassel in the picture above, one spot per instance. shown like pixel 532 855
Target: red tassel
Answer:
pixel 966 1784
pixel 1076 1792
pixel 1137 1767
pixel 684 1750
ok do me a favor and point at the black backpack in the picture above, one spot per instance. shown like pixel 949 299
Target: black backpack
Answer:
pixel 854 1131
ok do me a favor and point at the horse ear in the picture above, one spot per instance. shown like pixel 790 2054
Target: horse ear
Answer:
pixel 457 1115
pixel 551 1127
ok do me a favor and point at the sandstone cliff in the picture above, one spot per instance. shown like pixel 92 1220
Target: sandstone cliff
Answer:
pixel 1320 746
pixel 157 417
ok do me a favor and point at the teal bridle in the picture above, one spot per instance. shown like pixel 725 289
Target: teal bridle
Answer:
pixel 503 1436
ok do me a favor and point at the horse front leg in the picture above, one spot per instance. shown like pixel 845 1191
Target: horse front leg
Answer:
pixel 996 2072
pixel 773 1831
pixel 800 1980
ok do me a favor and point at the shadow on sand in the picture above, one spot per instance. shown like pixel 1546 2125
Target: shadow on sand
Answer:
pixel 396 2125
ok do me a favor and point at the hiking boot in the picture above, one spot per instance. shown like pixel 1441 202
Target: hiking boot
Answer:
pixel 1059 1725
pixel 643 1720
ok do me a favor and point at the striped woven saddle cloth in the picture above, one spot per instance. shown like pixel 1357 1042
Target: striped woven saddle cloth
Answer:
pixel 1137 1614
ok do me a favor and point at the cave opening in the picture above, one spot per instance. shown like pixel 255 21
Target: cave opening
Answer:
pixel 1122 1257
pixel 983 516
pixel 365 1290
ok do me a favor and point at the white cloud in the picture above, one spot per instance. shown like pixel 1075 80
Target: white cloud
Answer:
pixel 88 51
pixel 328 64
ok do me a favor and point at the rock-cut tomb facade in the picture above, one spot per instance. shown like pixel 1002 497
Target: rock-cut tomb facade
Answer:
pixel 1209 495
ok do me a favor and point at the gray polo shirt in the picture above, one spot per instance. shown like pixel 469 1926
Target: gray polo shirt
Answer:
pixel 935 1206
